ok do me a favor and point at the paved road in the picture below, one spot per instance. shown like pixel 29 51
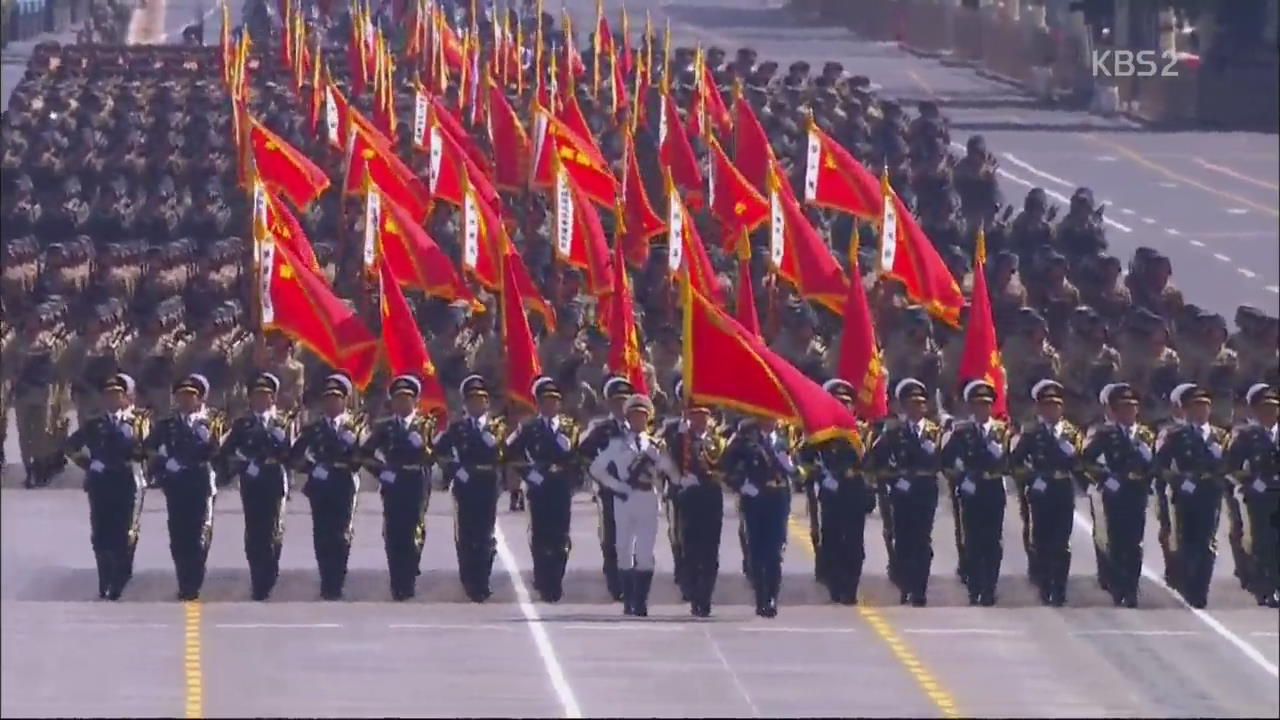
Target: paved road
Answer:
pixel 67 654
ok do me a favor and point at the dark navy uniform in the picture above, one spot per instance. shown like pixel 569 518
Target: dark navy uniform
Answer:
pixel 328 452
pixel 110 450
pixel 905 457
pixel 696 458
pixel 470 453
pixel 595 437
pixel 842 499
pixel 974 456
pixel 1120 460
pixel 545 448
pixel 1253 457
pixel 758 465
pixel 257 451
pixel 182 448
pixel 1044 458
pixel 398 453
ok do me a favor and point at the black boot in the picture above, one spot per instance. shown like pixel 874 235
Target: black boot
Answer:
pixel 641 582
pixel 103 559
pixel 626 578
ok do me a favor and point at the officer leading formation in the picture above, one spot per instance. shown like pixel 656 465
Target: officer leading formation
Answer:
pixel 131 316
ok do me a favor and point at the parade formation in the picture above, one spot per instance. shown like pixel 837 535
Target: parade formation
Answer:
pixel 456 248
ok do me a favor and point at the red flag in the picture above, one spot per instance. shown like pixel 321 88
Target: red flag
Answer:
pixel 283 168
pixel 710 105
pixel 286 229
pixel 798 252
pixel 735 203
pixel 751 150
pixel 761 382
pixel 510 142
pixel 372 156
pixel 907 254
pixel 415 260
pixel 580 240
pixel 624 344
pixel 677 155
pixel 297 302
pixel 580 158
pixel 523 366
pixel 685 249
pixel 406 350
pixel 980 359
pixel 744 308
pixel 834 179
pixel 452 169
pixel 860 362
pixel 640 222
pixel 571 115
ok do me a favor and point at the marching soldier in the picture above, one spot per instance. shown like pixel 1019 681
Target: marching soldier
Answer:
pixel 905 455
pixel 257 450
pixel 181 448
pixel 397 452
pixel 695 450
pixel 973 452
pixel 1252 504
pixel 545 447
pixel 327 451
pixel 470 455
pixel 631 466
pixel 1119 457
pixel 37 397
pixel 1044 459
pixel 1190 458
pixel 595 438
pixel 834 471
pixel 91 359
pixel 757 463
pixel 109 448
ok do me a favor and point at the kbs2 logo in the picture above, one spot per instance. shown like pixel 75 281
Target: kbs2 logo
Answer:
pixel 1130 63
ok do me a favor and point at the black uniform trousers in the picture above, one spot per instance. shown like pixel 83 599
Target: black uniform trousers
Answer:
pixel 843 521
pixel 333 507
pixel 475 508
pixel 911 526
pixel 674 511
pixel 766 517
pixel 701 517
pixel 1194 506
pixel 608 532
pixel 1051 505
pixel 981 519
pixel 115 507
pixel 549 505
pixel 189 499
pixel 1123 522
pixel 263 498
pixel 404 510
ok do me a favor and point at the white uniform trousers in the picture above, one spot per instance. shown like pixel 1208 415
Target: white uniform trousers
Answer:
pixel 636 520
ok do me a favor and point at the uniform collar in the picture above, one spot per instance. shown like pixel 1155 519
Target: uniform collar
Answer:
pixel 200 414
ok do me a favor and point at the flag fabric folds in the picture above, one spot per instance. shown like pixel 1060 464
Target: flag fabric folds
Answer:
pixel 523 366
pixel 283 168
pixel 860 362
pixel 406 351
pixel 624 343
pixel 980 358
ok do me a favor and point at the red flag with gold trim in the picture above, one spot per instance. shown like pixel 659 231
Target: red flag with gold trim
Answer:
pixel 834 179
pixel 685 249
pixel 907 254
pixel 523 366
pixel 510 142
pixel 579 236
pixel 860 361
pixel 624 343
pixel 640 222
pixel 415 260
pixel 744 307
pixel 751 150
pixel 372 156
pixel 283 168
pixel 798 253
pixel 406 350
pixel 676 154
pixel 580 158
pixel 735 203
pixel 980 358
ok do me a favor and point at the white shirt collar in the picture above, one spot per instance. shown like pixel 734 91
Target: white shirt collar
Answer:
pixel 480 419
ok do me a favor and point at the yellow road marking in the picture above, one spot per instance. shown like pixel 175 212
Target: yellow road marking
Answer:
pixel 903 654
pixel 1172 175
pixel 194 690
pixel 1236 174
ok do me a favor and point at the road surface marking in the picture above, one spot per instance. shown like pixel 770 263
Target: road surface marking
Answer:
pixel 1035 171
pixel 940 698
pixel 1247 273
pixel 1237 211
pixel 193 672
pixel 959 631
pixel 1236 174
pixel 1265 633
pixel 1273 288
pixel 814 630
pixel 1248 650
pixel 1222 257
pixel 1107 158
pixel 1128 211
pixel 1172 231
pixel 1149 221
pixel 555 672
pixel 1196 243
pixel 1167 184
pixel 448 626
pixel 112 626
pixel 1139 159
pixel 733 674
pixel 1143 633
pixel 275 626
pixel 1051 193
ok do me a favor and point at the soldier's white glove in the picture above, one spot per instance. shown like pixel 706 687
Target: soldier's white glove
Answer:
pixel 1215 450
pixel 96 466
pixel 172 465
pixel 462 475
pixel 534 477
pixel 1188 487
pixel 902 485
pixel 240 455
pixel 277 434
pixel 830 483
pixel 252 470
pixel 126 431
pixel 750 490
pixel 488 438
pixel 968 488
pixel 784 460
pixel 995 449
pixel 960 464
pixel 563 441
pixel 163 451
pixel 1111 484
pixel 319 473
pixel 347 437
pixel 1144 451
pixel 1039 485
pixel 202 432
pixel 1102 459
pixel 387 477
pixel 1245 466
pixel 1259 485
pixel 1066 447
pixel 928 447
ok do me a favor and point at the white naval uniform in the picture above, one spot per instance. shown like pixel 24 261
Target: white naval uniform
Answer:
pixel 635 511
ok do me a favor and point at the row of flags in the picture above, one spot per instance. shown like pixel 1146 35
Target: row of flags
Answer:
pixel 556 153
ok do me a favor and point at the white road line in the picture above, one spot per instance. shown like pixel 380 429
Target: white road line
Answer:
pixel 1128 211
pixel 447 626
pixel 1222 257
pixel 1247 273
pixel 1172 231
pixel 1106 158
pixel 1167 184
pixel 1273 288
pixel 1197 243
pixel 1264 633
pixel 959 631
pixel 1248 650
pixel 276 626
pixel 112 626
pixel 1034 171
pixel 1237 211
pixel 638 626
pixel 733 674
pixel 555 672
pixel 816 631
pixel 1149 221
pixel 1143 633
